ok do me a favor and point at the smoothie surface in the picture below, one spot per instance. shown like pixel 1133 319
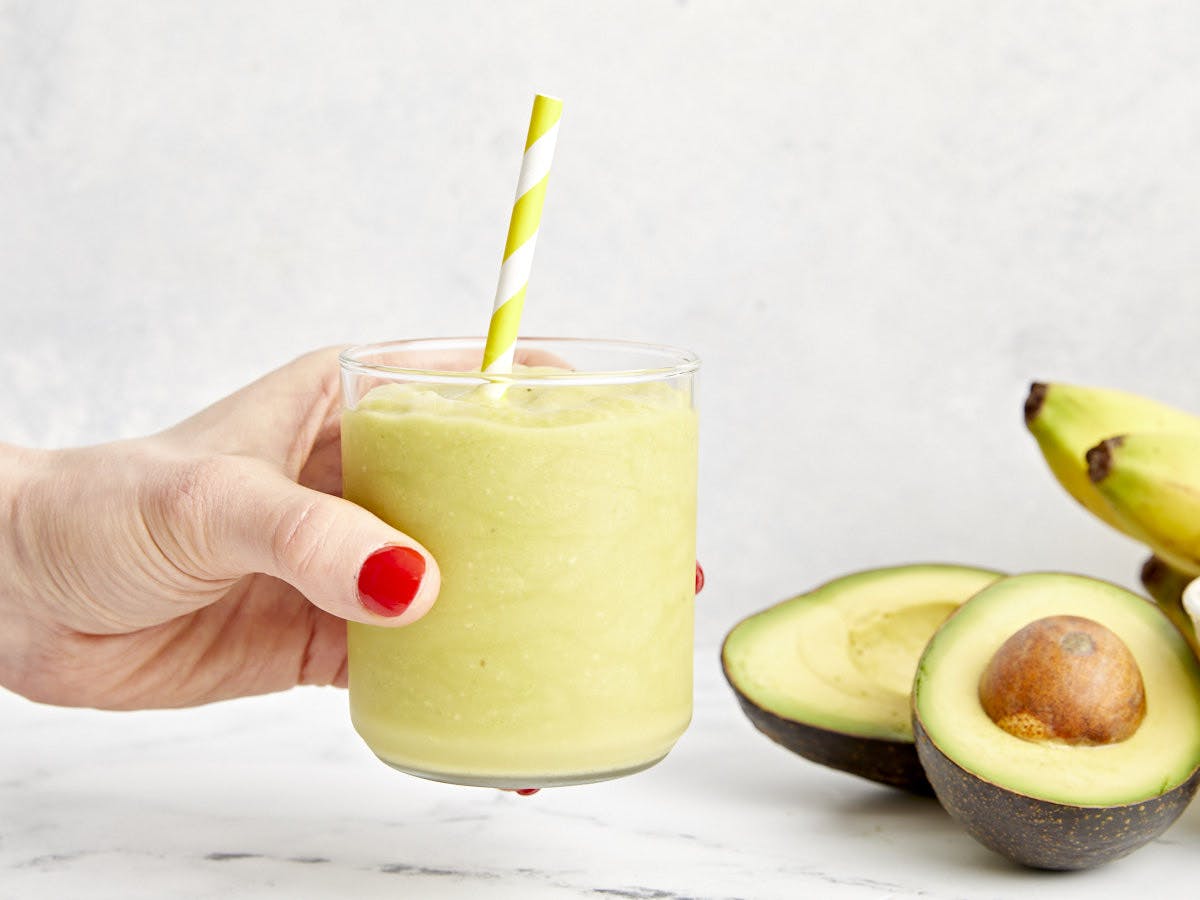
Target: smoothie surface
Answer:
pixel 545 405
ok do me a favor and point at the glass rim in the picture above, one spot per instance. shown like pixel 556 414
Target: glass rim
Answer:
pixel 677 361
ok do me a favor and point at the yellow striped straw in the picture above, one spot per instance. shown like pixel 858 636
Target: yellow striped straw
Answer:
pixel 522 234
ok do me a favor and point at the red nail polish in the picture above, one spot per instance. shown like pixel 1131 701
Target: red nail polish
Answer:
pixel 699 577
pixel 389 580
pixel 527 792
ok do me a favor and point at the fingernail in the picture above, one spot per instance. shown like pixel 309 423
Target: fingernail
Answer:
pixel 699 577
pixel 527 792
pixel 389 580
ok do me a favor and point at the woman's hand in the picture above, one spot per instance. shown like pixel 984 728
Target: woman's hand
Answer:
pixel 173 570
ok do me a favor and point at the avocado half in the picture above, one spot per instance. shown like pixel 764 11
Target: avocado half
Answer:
pixel 1052 805
pixel 828 674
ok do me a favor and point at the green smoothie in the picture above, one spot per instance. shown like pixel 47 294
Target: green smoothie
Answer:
pixel 563 518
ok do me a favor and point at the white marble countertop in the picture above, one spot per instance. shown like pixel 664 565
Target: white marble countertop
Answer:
pixel 276 797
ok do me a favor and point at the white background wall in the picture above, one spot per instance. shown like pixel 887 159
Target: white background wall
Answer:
pixel 877 222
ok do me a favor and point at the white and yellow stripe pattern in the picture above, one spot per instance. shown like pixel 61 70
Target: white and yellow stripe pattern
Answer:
pixel 522 234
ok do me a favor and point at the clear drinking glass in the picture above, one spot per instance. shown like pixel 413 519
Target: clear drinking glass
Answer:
pixel 560 504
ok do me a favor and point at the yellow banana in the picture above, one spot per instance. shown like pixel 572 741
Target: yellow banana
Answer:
pixel 1165 585
pixel 1152 485
pixel 1067 420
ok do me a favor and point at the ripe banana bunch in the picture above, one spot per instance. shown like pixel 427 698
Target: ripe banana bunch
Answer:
pixel 1165 584
pixel 1131 461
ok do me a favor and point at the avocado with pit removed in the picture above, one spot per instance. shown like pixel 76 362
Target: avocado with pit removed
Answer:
pixel 828 674
pixel 1058 719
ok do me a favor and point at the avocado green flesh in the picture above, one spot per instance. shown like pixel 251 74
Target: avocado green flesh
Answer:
pixel 843 657
pixel 1162 754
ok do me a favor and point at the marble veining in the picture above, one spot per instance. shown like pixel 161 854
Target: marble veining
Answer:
pixel 276 796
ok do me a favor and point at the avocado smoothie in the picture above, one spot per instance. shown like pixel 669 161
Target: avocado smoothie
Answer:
pixel 561 508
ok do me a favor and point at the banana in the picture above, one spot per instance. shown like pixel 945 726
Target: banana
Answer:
pixel 1165 584
pixel 1152 485
pixel 1067 420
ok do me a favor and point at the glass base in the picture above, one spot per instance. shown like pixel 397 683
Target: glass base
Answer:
pixel 522 782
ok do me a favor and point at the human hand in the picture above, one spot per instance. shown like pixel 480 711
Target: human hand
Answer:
pixel 178 569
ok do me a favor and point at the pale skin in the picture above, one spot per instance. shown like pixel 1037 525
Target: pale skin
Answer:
pixel 212 560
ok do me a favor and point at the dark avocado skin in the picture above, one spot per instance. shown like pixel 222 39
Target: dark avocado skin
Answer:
pixel 893 763
pixel 1040 833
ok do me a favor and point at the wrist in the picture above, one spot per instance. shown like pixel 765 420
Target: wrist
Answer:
pixel 16 472
pixel 20 470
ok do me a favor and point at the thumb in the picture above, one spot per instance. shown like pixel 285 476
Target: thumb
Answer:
pixel 341 557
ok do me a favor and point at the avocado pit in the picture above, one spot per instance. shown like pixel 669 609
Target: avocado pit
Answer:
pixel 1067 679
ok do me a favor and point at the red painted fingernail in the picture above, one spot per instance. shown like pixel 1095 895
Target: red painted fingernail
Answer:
pixel 527 792
pixel 389 580
pixel 699 577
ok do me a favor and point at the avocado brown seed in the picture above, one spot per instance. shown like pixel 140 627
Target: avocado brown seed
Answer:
pixel 1064 678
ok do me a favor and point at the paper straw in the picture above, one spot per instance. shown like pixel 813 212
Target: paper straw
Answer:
pixel 522 234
